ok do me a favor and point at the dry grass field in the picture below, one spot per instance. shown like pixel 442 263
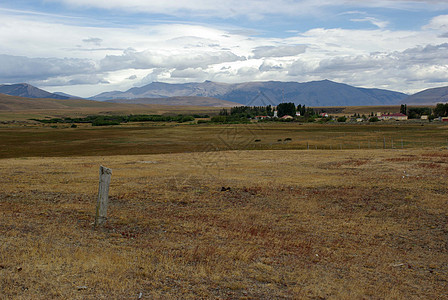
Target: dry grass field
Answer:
pixel 295 224
pixel 22 109
pixel 157 138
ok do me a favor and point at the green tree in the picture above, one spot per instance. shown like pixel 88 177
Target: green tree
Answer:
pixel 404 109
pixel 441 110
pixel 286 109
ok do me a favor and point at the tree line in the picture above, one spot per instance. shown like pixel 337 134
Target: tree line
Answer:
pixel 118 119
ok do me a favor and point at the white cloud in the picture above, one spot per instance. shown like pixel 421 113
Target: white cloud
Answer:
pixel 278 51
pixel 84 59
pixel 374 21
pixel 439 23
pixel 132 59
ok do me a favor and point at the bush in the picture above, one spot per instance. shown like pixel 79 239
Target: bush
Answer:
pixel 342 119
pixel 73 126
pixel 183 119
pixel 102 122
pixel 374 119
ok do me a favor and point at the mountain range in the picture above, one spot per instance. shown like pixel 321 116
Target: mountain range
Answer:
pixel 315 93
pixel 208 93
pixel 179 100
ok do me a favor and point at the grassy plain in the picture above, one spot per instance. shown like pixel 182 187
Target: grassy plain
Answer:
pixel 23 109
pixel 351 224
pixel 152 138
pixel 349 220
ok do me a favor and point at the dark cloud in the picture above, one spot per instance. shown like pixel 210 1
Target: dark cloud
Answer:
pixel 426 64
pixel 71 80
pixel 95 41
pixel 25 69
pixel 191 73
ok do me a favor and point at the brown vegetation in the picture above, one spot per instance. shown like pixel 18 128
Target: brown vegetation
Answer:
pixel 351 224
pixel 14 108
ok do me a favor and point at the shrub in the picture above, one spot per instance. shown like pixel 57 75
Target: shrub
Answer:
pixel 374 119
pixel 342 119
pixel 102 122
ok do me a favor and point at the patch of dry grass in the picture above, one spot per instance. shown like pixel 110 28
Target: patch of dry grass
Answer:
pixel 156 138
pixel 295 224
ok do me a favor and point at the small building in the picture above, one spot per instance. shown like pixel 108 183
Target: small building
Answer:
pixel 396 116
pixel 424 117
pixel 275 114
pixel 286 117
pixel 261 117
pixel 298 114
pixel 359 119
pixel 444 119
pixel 323 115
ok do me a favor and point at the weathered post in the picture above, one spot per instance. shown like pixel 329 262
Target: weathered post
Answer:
pixel 103 196
pixel 384 142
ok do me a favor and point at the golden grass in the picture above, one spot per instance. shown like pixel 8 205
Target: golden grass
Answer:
pixel 369 224
pixel 24 109
pixel 156 138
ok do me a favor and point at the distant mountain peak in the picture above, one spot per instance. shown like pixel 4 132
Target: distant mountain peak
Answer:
pixel 429 96
pixel 28 91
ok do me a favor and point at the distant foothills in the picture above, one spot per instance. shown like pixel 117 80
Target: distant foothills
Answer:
pixel 208 93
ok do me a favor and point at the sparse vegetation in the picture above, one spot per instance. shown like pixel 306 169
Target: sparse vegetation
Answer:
pixel 312 211
pixel 343 224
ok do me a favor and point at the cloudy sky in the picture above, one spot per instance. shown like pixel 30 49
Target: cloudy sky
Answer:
pixel 84 47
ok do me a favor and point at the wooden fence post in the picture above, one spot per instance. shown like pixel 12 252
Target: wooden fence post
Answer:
pixel 103 196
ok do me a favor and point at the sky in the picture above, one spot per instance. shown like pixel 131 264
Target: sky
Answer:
pixel 85 47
